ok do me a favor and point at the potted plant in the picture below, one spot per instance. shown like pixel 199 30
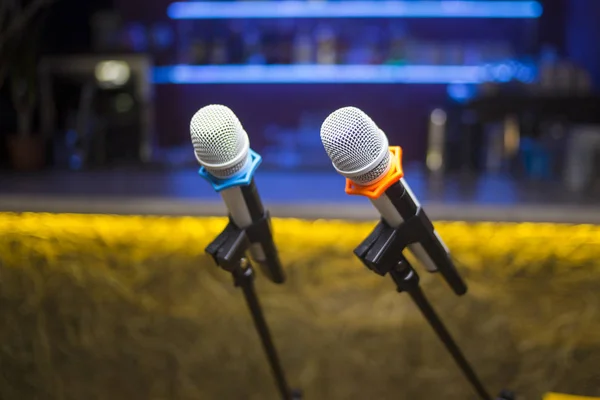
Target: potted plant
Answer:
pixel 20 34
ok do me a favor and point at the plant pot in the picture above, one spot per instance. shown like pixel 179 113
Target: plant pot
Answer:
pixel 26 153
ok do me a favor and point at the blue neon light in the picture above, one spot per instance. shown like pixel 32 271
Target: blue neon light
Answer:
pixel 315 74
pixel 355 9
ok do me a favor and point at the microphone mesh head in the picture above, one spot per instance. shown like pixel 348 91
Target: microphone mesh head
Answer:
pixel 357 147
pixel 220 142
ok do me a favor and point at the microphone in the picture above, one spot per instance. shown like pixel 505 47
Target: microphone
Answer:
pixel 222 148
pixel 360 152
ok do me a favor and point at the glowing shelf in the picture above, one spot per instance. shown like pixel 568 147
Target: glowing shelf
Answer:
pixel 355 9
pixel 323 74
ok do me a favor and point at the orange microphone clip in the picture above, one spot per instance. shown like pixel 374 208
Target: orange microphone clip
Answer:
pixel 376 189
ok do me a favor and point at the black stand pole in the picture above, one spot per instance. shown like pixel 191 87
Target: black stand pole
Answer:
pixel 407 280
pixel 228 251
pixel 381 252
pixel 244 278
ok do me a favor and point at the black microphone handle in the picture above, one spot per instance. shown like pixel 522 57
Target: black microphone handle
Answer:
pixel 446 267
pixel 407 207
pixel 271 264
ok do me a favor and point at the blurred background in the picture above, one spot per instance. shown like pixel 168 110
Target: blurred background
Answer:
pixel 470 90
pixel 496 107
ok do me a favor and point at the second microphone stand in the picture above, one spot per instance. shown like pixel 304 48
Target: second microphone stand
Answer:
pixel 228 250
pixel 381 252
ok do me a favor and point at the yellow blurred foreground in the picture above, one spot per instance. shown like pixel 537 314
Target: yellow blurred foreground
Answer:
pixel 126 307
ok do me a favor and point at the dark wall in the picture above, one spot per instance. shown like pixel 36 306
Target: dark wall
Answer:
pixel 583 35
pixel 66 29
pixel 68 25
pixel 142 10
pixel 552 25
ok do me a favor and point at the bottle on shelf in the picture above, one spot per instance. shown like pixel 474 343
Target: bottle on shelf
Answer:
pixel 303 48
pixel 424 52
pixel 218 52
pixel 472 53
pixel 198 52
pixel 397 45
pixel 252 46
pixel 364 47
pixel 285 41
pixel 375 38
pixel 326 45
pixel 453 53
pixel 270 39
pixel 235 42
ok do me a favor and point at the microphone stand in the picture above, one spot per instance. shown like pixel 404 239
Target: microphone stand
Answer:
pixel 381 252
pixel 228 250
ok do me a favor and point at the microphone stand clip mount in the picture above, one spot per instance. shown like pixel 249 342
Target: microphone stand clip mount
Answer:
pixel 383 248
pixel 228 251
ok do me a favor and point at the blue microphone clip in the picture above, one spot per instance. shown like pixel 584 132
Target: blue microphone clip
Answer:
pixel 241 178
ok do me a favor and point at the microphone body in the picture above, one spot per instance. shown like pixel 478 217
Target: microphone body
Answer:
pixel 222 147
pixel 245 208
pixel 359 151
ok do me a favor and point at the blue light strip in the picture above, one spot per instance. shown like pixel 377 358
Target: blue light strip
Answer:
pixel 322 74
pixel 355 9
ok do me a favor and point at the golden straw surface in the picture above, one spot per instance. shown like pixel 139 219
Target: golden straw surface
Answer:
pixel 127 307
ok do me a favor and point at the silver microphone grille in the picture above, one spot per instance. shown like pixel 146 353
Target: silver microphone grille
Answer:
pixel 357 147
pixel 220 142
